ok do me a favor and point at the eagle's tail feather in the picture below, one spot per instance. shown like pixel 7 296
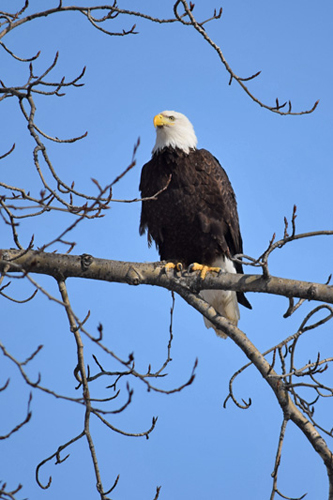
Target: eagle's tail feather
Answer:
pixel 225 303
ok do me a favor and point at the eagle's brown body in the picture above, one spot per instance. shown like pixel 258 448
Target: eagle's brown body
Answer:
pixel 195 218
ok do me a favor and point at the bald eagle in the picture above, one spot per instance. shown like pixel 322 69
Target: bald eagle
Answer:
pixel 194 219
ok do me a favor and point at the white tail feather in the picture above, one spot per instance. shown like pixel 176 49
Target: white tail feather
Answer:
pixel 224 301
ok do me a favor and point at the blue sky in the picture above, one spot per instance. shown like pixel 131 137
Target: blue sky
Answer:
pixel 198 450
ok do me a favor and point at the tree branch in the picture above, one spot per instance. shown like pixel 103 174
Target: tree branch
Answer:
pixel 135 273
pixel 290 411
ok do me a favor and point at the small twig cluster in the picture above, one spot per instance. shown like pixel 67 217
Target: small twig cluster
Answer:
pixel 296 379
pixel 307 376
pixel 262 261
pixel 15 202
pixel 6 494
pixel 281 109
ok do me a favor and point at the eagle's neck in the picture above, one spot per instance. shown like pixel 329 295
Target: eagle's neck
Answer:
pixel 172 151
pixel 175 137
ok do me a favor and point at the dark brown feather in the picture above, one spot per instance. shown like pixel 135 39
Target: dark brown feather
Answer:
pixel 195 219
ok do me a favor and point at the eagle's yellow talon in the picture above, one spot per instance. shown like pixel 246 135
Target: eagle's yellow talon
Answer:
pixel 171 265
pixel 204 269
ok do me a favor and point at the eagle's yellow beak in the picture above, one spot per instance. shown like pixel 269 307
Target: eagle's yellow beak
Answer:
pixel 160 120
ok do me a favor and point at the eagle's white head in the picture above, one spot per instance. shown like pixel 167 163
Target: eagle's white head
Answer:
pixel 174 130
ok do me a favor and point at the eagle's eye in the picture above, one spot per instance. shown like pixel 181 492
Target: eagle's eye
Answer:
pixel 172 118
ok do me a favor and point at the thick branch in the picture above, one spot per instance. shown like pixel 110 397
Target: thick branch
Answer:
pixel 135 273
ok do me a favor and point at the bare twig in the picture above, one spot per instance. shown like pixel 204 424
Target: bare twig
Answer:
pixel 278 108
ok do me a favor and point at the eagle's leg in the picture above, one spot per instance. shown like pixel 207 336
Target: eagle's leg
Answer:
pixel 204 269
